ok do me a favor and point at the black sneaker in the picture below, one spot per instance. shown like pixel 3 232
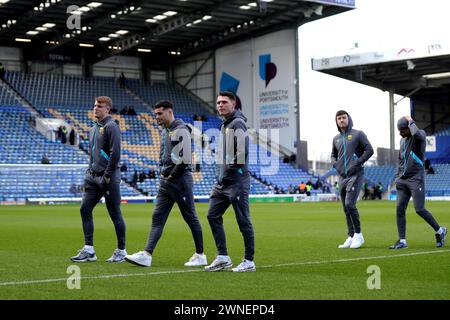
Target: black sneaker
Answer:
pixel 84 256
pixel 440 238
pixel 399 245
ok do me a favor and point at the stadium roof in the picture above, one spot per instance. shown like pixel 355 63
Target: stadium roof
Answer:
pixel 163 26
pixel 408 71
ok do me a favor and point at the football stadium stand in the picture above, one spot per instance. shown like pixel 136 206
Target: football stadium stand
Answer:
pixel 70 98
pixel 438 184
pixel 56 98
pixel 443 132
pixel 383 174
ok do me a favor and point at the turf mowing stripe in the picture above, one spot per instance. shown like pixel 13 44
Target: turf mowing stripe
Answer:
pixel 201 270
pixel 354 259
pixel 106 276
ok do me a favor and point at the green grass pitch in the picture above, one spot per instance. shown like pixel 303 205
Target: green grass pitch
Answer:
pixel 296 255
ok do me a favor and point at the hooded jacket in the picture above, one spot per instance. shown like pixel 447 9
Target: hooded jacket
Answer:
pixel 351 149
pixel 104 147
pixel 412 153
pixel 175 155
pixel 232 156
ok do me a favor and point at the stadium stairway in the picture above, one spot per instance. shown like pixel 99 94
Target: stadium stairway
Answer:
pixel 15 98
pixel 183 103
pixel 443 132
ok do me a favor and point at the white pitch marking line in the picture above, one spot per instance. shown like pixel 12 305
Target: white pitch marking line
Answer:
pixel 126 275
pixel 355 259
pixel 106 276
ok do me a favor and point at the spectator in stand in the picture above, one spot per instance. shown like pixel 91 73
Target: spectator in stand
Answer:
pixel 291 189
pixel 135 178
pixel 337 191
pixel 326 188
pixel 379 190
pixel 131 111
pixel 308 189
pixel 63 134
pixel 365 188
pixel 142 177
pixel 318 184
pixel 128 111
pixel 292 158
pixel 2 71
pixel 122 80
pixel 302 188
pixel 72 137
pixel 45 160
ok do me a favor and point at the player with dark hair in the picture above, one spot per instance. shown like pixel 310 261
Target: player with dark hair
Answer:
pixel 233 185
pixel 176 185
pixel 351 149
pixel 410 181
pixel 102 179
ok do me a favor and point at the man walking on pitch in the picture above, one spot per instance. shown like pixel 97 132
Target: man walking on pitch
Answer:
pixel 102 179
pixel 410 181
pixel 176 185
pixel 233 185
pixel 351 149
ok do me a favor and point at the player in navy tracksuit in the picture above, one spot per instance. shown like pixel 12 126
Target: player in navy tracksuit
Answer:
pixel 351 149
pixel 410 181
pixel 176 185
pixel 233 185
pixel 102 179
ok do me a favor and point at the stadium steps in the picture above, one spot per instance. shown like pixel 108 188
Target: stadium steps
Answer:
pixel 199 100
pixel 137 97
pixel 443 132
pixel 21 99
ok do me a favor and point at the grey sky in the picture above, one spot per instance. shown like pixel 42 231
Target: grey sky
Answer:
pixel 376 26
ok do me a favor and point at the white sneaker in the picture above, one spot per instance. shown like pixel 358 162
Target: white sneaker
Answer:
pixel 245 266
pixel 140 258
pixel 357 241
pixel 197 260
pixel 346 244
pixel 220 263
